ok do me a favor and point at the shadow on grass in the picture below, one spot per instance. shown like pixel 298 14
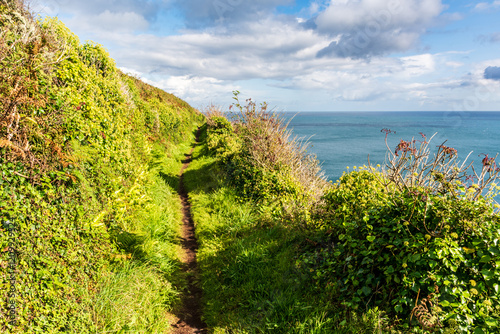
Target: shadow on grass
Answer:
pixel 130 243
pixel 203 179
pixel 254 283
pixel 248 274
pixel 170 180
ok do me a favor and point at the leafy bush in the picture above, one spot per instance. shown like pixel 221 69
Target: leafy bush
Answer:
pixel 422 246
pixel 221 138
pixel 261 159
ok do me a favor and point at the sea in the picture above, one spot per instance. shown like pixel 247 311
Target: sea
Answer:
pixel 348 139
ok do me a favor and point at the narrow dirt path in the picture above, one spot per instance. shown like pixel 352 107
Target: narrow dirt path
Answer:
pixel 190 318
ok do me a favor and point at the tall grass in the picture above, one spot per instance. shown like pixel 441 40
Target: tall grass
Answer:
pixel 143 290
pixel 134 298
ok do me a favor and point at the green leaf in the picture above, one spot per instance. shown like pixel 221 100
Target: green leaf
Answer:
pixel 469 250
pixel 491 322
pixel 370 238
pixel 415 257
pixel 487 274
pixel 366 290
pixel 494 250
pixel 485 259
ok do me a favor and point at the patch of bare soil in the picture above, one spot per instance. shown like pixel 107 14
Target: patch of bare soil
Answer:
pixel 190 315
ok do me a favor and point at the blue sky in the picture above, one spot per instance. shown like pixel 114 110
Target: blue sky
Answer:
pixel 304 55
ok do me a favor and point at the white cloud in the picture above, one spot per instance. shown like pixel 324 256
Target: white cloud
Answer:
pixel 267 50
pixel 417 65
pixel 130 71
pixel 123 22
pixel 487 5
pixel 277 55
pixel 91 8
pixel 200 91
pixel 454 64
pixel 203 13
pixel 374 27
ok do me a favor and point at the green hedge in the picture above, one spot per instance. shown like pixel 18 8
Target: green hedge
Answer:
pixel 415 254
pixel 76 139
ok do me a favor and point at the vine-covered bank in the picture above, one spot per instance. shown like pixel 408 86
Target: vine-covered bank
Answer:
pixel 89 158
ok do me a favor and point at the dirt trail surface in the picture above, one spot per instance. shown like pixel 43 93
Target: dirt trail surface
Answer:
pixel 190 317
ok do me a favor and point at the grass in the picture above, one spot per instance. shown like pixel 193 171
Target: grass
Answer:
pixel 250 273
pixel 136 298
pixel 143 290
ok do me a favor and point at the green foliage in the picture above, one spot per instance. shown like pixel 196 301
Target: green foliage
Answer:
pixel 262 161
pixel 222 140
pixel 144 285
pixel 413 251
pixel 80 149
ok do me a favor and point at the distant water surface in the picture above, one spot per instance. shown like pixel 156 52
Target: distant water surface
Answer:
pixel 342 139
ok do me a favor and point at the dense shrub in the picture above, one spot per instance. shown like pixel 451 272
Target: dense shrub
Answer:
pixel 422 245
pixel 262 160
pixel 222 140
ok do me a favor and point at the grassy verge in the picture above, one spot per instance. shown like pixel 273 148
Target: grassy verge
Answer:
pixel 145 284
pixel 251 275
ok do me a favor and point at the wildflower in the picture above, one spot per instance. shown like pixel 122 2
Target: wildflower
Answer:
pixel 472 282
pixel 406 243
pixel 387 131
pixel 448 150
pixel 454 235
pixel 473 291
pixel 488 163
pixel 404 265
pixel 405 146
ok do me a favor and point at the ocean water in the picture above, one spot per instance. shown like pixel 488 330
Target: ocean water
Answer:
pixel 341 139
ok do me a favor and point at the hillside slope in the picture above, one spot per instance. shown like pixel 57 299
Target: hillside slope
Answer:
pixel 88 165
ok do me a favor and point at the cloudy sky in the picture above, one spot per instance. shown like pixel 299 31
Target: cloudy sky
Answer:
pixel 302 55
